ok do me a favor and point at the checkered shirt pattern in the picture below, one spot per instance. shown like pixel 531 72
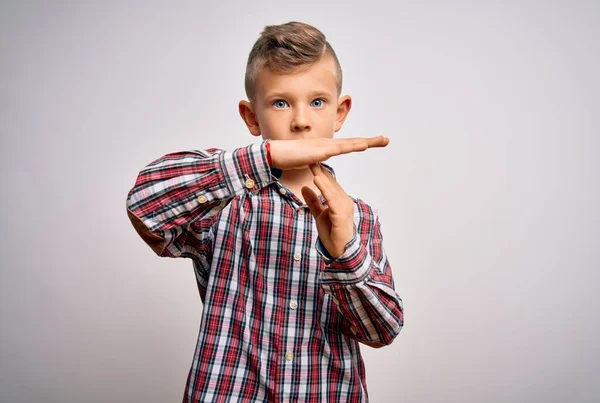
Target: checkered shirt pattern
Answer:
pixel 281 319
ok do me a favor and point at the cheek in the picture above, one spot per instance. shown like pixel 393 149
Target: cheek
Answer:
pixel 331 117
pixel 271 122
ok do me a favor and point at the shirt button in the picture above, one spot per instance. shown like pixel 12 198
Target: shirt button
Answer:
pixel 249 183
pixel 297 256
pixel 301 211
pixel 289 356
pixel 293 304
pixel 202 199
pixel 282 191
pixel 286 401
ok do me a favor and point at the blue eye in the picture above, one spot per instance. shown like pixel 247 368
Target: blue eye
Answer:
pixel 320 102
pixel 280 103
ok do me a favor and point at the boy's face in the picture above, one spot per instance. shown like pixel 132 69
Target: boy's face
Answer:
pixel 302 104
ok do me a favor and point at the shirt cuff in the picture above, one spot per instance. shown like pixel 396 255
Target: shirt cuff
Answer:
pixel 248 168
pixel 268 145
pixel 351 267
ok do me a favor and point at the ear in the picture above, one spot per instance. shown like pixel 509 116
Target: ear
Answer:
pixel 246 110
pixel 344 105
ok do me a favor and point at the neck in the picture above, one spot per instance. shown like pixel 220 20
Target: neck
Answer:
pixel 295 179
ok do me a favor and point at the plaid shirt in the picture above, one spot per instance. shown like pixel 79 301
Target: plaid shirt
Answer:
pixel 281 319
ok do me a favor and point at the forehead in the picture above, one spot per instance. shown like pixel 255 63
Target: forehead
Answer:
pixel 320 76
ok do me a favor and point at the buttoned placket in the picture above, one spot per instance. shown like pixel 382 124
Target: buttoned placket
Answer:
pixel 298 261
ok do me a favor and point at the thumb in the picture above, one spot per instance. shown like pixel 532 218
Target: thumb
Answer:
pixel 312 200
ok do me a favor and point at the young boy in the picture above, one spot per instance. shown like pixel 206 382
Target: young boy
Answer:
pixel 291 270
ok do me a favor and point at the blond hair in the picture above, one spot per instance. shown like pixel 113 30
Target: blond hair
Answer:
pixel 287 48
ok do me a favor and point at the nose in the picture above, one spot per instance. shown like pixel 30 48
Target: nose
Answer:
pixel 300 121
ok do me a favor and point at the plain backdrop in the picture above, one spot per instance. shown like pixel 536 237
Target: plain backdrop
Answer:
pixel 488 192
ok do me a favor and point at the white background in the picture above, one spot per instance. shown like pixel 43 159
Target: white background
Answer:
pixel 488 192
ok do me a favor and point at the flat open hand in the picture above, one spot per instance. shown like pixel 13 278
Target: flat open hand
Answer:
pixel 335 223
pixel 298 153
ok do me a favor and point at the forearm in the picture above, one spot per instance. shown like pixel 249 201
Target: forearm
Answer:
pixel 180 188
pixel 362 285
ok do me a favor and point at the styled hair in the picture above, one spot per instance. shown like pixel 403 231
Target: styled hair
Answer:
pixel 285 49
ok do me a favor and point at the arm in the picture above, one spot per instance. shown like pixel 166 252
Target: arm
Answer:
pixel 357 272
pixel 361 283
pixel 190 187
pixel 183 188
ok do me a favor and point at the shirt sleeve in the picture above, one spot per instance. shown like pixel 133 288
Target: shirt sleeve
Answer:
pixel 174 197
pixel 361 284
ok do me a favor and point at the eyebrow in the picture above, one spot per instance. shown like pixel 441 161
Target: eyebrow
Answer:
pixel 287 95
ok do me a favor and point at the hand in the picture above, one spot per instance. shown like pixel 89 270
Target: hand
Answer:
pixel 335 223
pixel 292 154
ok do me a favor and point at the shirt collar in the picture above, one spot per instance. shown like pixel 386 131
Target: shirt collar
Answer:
pixel 277 173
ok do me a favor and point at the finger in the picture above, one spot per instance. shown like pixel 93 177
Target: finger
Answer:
pixel 318 170
pixel 328 188
pixel 345 146
pixel 378 141
pixel 332 182
pixel 325 189
pixel 312 200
